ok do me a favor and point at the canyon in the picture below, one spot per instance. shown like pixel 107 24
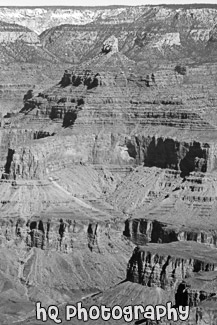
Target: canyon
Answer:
pixel 108 158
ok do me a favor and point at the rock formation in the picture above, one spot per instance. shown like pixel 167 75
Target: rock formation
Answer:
pixel 108 166
pixel 9 33
pixel 110 45
pixel 151 265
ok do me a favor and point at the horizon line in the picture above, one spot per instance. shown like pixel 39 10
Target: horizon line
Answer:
pixel 112 5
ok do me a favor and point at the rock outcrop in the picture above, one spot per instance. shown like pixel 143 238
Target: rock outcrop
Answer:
pixel 9 33
pixel 162 207
pixel 68 237
pixel 152 265
pixel 177 32
pixel 192 291
pixel 153 32
pixel 141 231
pixel 119 151
pixel 110 45
pixel 134 145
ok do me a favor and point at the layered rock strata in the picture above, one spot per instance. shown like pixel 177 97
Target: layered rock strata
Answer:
pixel 168 266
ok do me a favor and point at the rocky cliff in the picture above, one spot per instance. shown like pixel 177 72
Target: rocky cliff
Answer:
pixel 164 207
pixel 193 280
pixel 67 232
pixel 55 276
pixel 9 33
pixel 162 32
pixel 151 265
pixel 90 98
pixel 37 18
pixel 141 231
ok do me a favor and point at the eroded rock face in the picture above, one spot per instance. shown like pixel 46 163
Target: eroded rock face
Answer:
pixel 50 243
pixel 86 78
pixel 9 138
pixel 36 19
pixel 178 32
pixel 192 291
pixel 185 28
pixel 151 265
pixel 141 231
pixel 90 99
pixel 110 45
pixel 106 92
pixel 168 153
pixel 137 136
pixel 9 33
pixel 63 235
pixel 185 157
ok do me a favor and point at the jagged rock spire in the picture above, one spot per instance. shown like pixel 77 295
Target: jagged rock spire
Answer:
pixel 110 45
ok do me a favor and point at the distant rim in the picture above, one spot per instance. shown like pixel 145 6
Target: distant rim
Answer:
pixel 175 5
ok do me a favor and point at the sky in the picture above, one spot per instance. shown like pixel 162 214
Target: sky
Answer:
pixel 96 2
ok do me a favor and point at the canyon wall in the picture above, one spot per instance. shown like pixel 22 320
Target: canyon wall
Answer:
pixel 148 267
pixel 141 231
pixel 109 148
pixel 132 159
pixel 172 268
pixel 12 32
